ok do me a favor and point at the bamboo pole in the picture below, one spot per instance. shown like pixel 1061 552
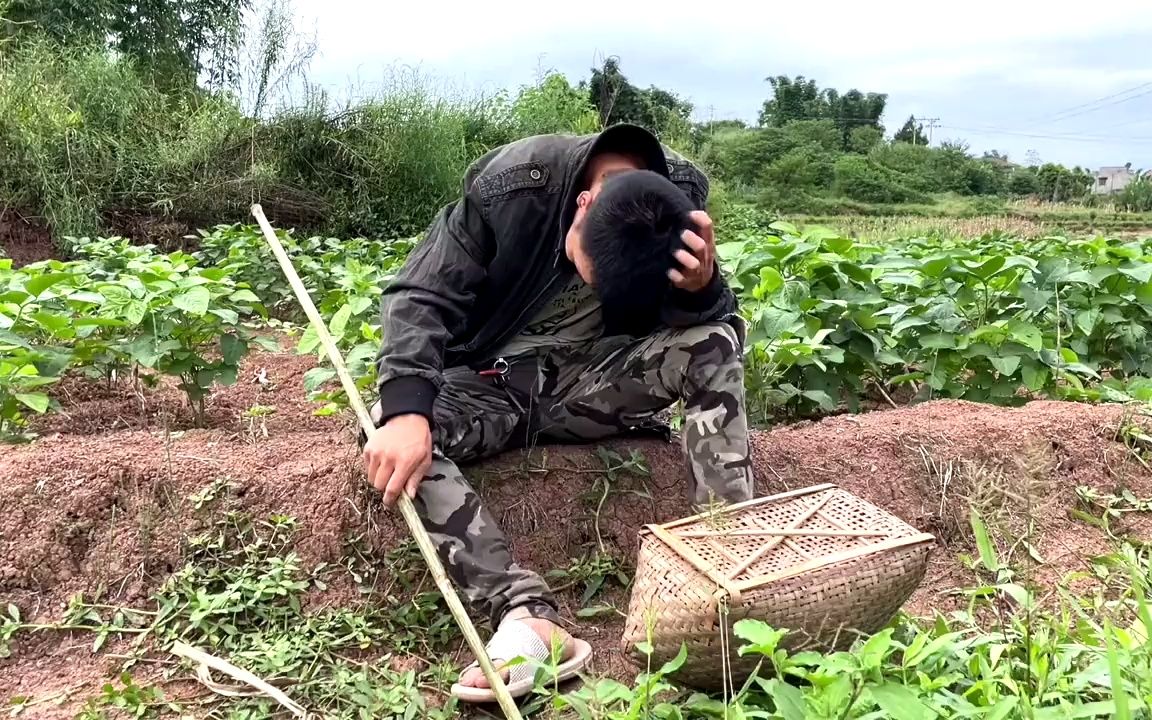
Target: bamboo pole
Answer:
pixel 404 503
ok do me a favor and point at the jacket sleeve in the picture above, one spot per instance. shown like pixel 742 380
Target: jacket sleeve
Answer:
pixel 427 302
pixel 716 301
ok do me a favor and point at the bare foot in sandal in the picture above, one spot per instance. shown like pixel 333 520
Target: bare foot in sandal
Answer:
pixel 545 629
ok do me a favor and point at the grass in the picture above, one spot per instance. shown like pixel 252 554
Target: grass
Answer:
pixel 92 146
pixel 241 594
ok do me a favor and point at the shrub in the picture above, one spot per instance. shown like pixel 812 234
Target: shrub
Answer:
pixel 862 179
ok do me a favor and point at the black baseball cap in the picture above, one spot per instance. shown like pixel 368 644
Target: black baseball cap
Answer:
pixel 632 140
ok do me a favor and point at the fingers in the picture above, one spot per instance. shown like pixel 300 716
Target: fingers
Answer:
pixel 417 477
pixel 406 477
pixel 687 260
pixel 394 485
pixel 704 223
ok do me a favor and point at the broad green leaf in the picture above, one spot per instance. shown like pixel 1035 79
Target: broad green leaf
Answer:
pixel 1036 299
pixel 777 322
pixel 899 702
pixel 52 322
pixel 229 316
pixel 1086 320
pixel 1026 334
pixel 935 266
pixel 855 272
pixel 317 376
pixel 875 649
pixel 340 321
pixel 820 397
pixel 226 375
pixel 785 227
pixel 1141 273
pixel 193 301
pixel 232 349
pixel 134 311
pixel 675 663
pixel 244 296
pixel 1035 376
pixel 762 638
pixel 1005 365
pixel 988 268
pixel 39 283
pixel 902 278
pixel 988 555
pixel 938 341
pixel 85 296
pixel 37 401
pixel 309 341
pixel 838 244
pixel 789 700
pixel 360 304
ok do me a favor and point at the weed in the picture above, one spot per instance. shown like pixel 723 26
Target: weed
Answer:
pixel 255 421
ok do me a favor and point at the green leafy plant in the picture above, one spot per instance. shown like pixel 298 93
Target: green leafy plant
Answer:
pixel 833 320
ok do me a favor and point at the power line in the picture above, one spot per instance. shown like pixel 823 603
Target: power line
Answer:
pixel 1095 105
pixel 1048 136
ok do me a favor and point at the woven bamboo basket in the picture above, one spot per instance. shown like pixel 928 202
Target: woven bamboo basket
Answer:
pixel 819 562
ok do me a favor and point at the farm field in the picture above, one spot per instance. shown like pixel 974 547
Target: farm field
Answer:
pixel 179 465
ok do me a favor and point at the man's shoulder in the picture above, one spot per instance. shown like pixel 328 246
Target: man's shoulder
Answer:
pixel 538 161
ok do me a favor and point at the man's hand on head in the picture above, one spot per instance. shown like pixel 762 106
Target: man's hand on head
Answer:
pixel 697 263
pixel 397 456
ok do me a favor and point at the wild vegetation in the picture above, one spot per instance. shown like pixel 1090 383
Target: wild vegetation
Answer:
pixel 110 134
pixel 183 129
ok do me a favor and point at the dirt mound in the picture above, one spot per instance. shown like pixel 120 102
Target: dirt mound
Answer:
pixel 95 507
pixel 25 240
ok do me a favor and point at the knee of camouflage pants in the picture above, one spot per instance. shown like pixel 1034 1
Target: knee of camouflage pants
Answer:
pixel 715 431
pixel 470 545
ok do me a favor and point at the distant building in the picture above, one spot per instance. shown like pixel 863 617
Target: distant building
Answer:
pixel 1113 179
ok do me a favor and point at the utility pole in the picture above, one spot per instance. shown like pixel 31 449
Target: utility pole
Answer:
pixel 931 123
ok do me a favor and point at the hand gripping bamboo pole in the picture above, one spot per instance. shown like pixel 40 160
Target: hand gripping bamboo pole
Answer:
pixel 407 510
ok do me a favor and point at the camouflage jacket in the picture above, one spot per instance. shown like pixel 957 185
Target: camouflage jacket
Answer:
pixel 492 258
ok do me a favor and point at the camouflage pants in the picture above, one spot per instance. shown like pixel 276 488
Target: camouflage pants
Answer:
pixel 577 395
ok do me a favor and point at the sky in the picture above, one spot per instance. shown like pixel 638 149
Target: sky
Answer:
pixel 1074 85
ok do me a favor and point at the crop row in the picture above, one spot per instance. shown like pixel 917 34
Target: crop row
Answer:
pixel 831 320
pixel 993 319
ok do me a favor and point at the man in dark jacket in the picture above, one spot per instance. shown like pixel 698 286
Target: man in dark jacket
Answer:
pixel 494 338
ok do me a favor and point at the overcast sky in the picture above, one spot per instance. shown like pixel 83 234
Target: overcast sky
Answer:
pixel 1075 85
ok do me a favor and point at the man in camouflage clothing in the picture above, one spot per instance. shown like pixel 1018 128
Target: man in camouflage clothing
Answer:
pixel 494 338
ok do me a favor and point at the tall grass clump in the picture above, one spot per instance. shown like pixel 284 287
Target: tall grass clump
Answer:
pixel 87 139
pixel 85 135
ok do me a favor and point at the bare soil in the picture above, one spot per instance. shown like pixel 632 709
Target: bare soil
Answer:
pixel 100 503
pixel 25 240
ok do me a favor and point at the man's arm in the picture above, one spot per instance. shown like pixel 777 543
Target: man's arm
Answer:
pixel 715 301
pixel 427 302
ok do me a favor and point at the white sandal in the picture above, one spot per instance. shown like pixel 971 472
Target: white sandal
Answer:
pixel 516 639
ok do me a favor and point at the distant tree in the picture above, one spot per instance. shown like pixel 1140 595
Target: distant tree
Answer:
pixel 175 40
pixel 995 155
pixel 1023 181
pixel 618 100
pixel 863 139
pixel 1059 184
pixel 792 100
pixel 798 99
pixel 1032 159
pixel 911 132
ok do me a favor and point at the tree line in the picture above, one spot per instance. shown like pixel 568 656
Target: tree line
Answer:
pixel 116 110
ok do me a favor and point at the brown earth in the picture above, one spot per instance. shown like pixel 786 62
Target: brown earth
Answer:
pixel 100 502
pixel 25 240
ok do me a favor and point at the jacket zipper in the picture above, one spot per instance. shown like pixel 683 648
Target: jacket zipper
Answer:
pixel 530 308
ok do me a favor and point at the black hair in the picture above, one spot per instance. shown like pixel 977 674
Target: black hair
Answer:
pixel 630 234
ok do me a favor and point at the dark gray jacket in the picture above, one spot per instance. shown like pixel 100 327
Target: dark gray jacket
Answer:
pixel 492 258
